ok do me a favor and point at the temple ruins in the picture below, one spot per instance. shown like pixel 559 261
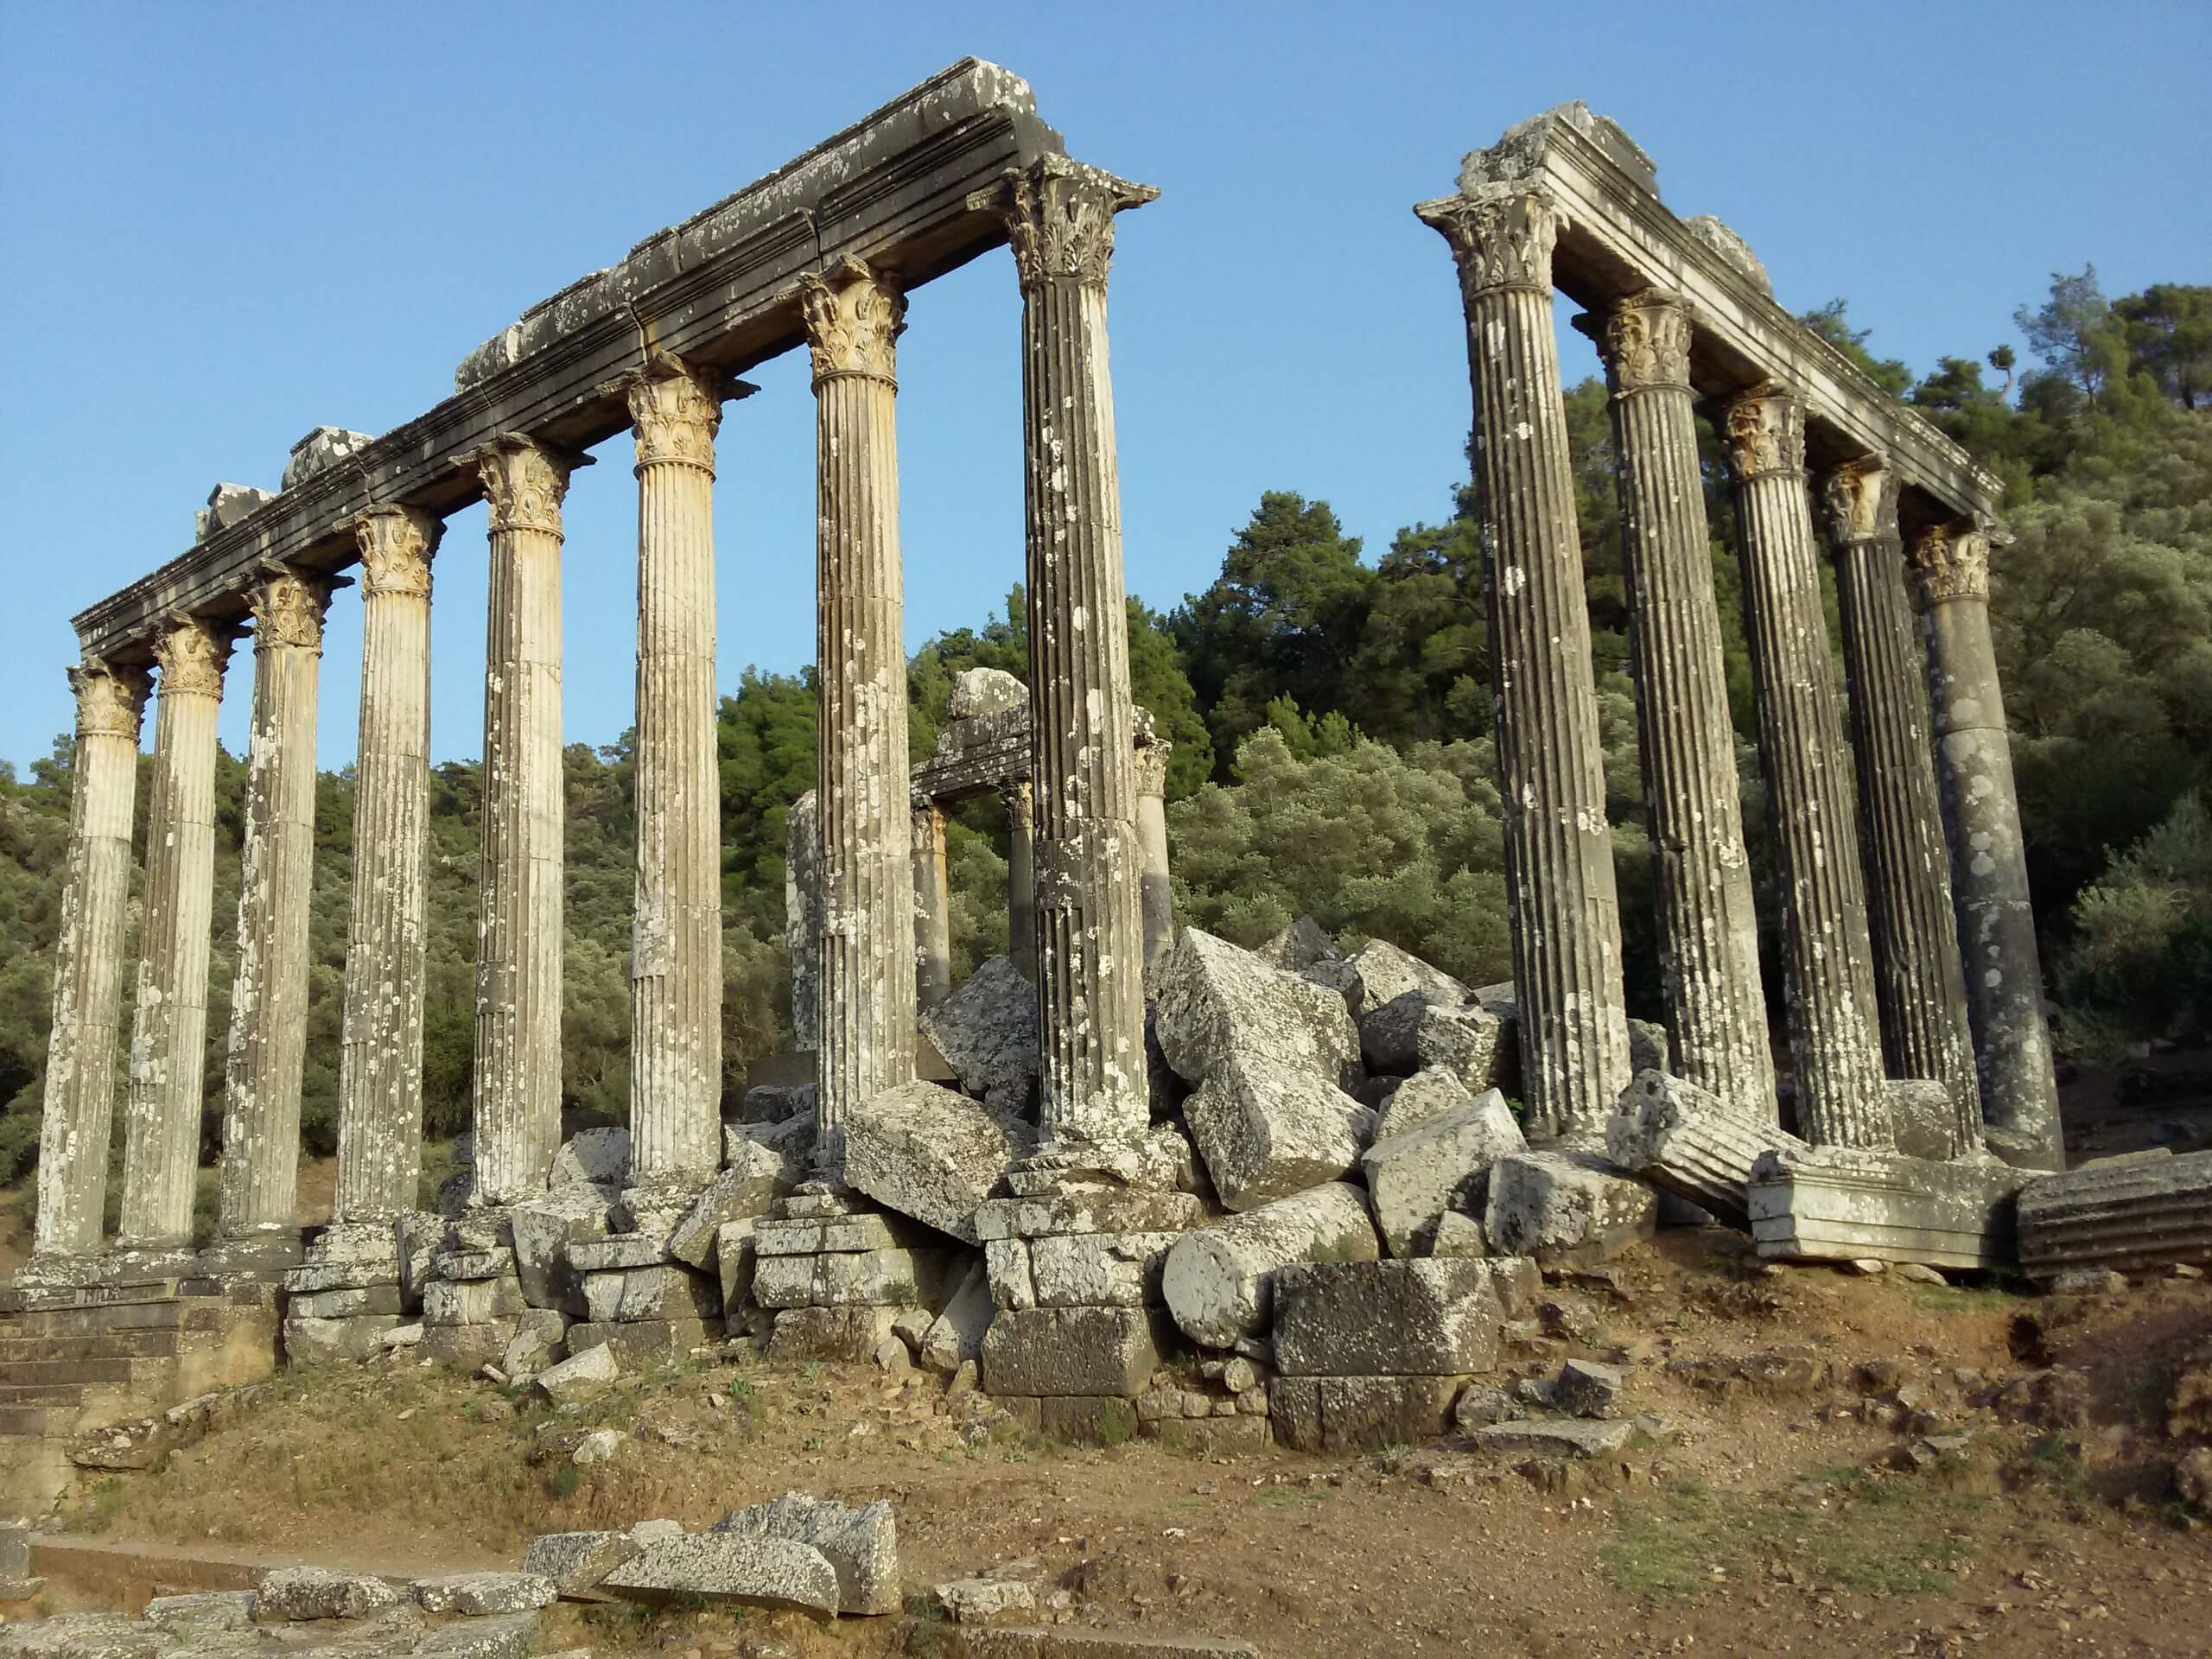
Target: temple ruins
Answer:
pixel 1299 1162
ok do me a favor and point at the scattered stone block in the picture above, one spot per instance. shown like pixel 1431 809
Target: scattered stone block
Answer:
pixel 1214 1001
pixel 729 1566
pixel 1399 1318
pixel 1088 1209
pixel 861 1545
pixel 540 1338
pixel 1359 1413
pixel 966 1600
pixel 1689 1143
pixel 1005 1264
pixel 1217 1280
pixel 1414 1032
pixel 1300 946
pixel 743 1192
pixel 790 1141
pixel 1416 1178
pixel 987 1031
pixel 836 1333
pixel 1459 1235
pixel 1566 1208
pixel 1422 1098
pixel 575 1563
pixel 471 1301
pixel 895 1279
pixel 2127 1214
pixel 582 1372
pixel 933 1153
pixel 1924 1120
pixel 1552 1437
pixel 1387 973
pixel 304 1592
pixel 1585 1388
pixel 478 1594
pixel 1065 1351
pixel 1268 1130
pixel 597 1156
pixel 210 1612
pixel 313 1341
pixel 1837 1203
pixel 956 1334
pixel 1098 1269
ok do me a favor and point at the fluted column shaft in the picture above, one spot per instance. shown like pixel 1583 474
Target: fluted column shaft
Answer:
pixel 78 1115
pixel 932 909
pixel 380 1058
pixel 1989 871
pixel 675 949
pixel 1919 984
pixel 1834 1032
pixel 1157 890
pixel 1022 879
pixel 1708 926
pixel 269 998
pixel 867 995
pixel 518 945
pixel 1564 913
pixel 1087 866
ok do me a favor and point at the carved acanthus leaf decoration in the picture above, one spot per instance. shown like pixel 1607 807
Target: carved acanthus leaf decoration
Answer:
pixel 675 412
pixel 1861 501
pixel 396 545
pixel 1645 341
pixel 1763 430
pixel 524 483
pixel 853 320
pixel 1060 218
pixel 108 700
pixel 1952 563
pixel 1501 235
pixel 193 654
pixel 288 610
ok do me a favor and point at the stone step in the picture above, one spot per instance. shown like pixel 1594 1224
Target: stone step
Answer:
pixel 57 1394
pixel 72 1367
pixel 152 1343
pixel 22 1421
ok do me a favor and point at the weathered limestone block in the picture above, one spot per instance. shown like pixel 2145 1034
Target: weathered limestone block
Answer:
pixel 1098 1269
pixel 1268 1130
pixel 665 1291
pixel 729 1566
pixel 1216 1003
pixel 1925 1117
pixel 616 1251
pixel 1566 1208
pixel 852 1279
pixel 789 1139
pixel 861 1545
pixel 646 1342
pixel 575 1561
pixel 741 1192
pixel 1299 946
pixel 736 1255
pixel 931 1152
pixel 957 1335
pixel 302 1592
pixel 1360 1413
pixel 1005 1264
pixel 987 1031
pixel 1431 1318
pixel 324 446
pixel 2125 1215
pixel 545 1230
pixel 1443 1165
pixel 472 1301
pixel 774 1103
pixel 842 1235
pixel 601 1155
pixel 479 1594
pixel 1685 1142
pixel 1416 1030
pixel 345 1304
pixel 1387 973
pixel 316 1339
pixel 1088 1209
pixel 1216 1281
pixel 848 1334
pixel 1842 1204
pixel 1426 1096
pixel 1069 1351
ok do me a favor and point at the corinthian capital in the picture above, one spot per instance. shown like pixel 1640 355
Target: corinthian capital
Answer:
pixel 1860 501
pixel 1952 562
pixel 676 410
pixel 1763 431
pixel 853 317
pixel 1645 341
pixel 192 652
pixel 108 700
pixel 396 545
pixel 1060 217
pixel 1501 235
pixel 525 482
pixel 287 609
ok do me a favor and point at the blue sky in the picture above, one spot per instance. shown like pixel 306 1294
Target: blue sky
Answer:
pixel 227 222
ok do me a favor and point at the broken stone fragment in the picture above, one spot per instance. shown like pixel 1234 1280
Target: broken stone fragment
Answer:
pixel 956 1335
pixel 600 1155
pixel 1216 1003
pixel 544 1228
pixel 1385 1319
pixel 1552 1437
pixel 1387 973
pixel 1566 1208
pixel 303 1592
pixel 324 446
pixel 1268 1130
pixel 1098 1269
pixel 729 1566
pixel 1840 1203
pixel 1690 1143
pixel 1300 946
pixel 1416 1178
pixel 931 1153
pixel 965 1601
pixel 1417 1029
pixel 480 1593
pixel 1584 1388
pixel 1069 1351
pixel 1425 1096
pixel 987 1031
pixel 580 1373
pixel 861 1545
pixel 575 1563
pixel 1216 1281
pixel 979 693
pixel 743 1192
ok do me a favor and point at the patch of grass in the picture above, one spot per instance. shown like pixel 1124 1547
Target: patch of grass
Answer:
pixel 1962 1299
pixel 1898 1537
pixel 2054 1462
pixel 565 1480
pixel 98 1512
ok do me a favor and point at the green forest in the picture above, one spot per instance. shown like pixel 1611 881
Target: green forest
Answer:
pixel 1331 716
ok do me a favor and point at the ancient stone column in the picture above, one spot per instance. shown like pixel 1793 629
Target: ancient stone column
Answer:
pixel 676 949
pixel 932 909
pixel 1089 917
pixel 1708 928
pixel 1156 891
pixel 1834 1032
pixel 1558 859
pixel 269 998
pixel 1989 872
pixel 867 998
pixel 1020 879
pixel 517 1106
pixel 1918 984
pixel 168 1036
pixel 803 916
pixel 380 1060
pixel 80 1101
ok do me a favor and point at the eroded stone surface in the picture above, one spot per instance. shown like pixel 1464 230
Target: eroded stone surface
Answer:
pixel 1267 1129
pixel 1217 1280
pixel 987 1031
pixel 1442 1165
pixel 931 1153
pixel 1216 1002
pixel 1566 1208
pixel 1385 1319
pixel 861 1544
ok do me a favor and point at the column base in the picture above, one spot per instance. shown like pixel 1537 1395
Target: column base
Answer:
pixel 56 1271
pixel 268 1255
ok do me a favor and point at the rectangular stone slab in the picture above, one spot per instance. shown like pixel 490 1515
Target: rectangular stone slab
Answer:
pixel 1835 1204
pixel 1059 1350
pixel 1432 1317
pixel 2124 1214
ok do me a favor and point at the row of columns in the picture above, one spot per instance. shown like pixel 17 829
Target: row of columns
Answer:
pixel 1085 931
pixel 1874 989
